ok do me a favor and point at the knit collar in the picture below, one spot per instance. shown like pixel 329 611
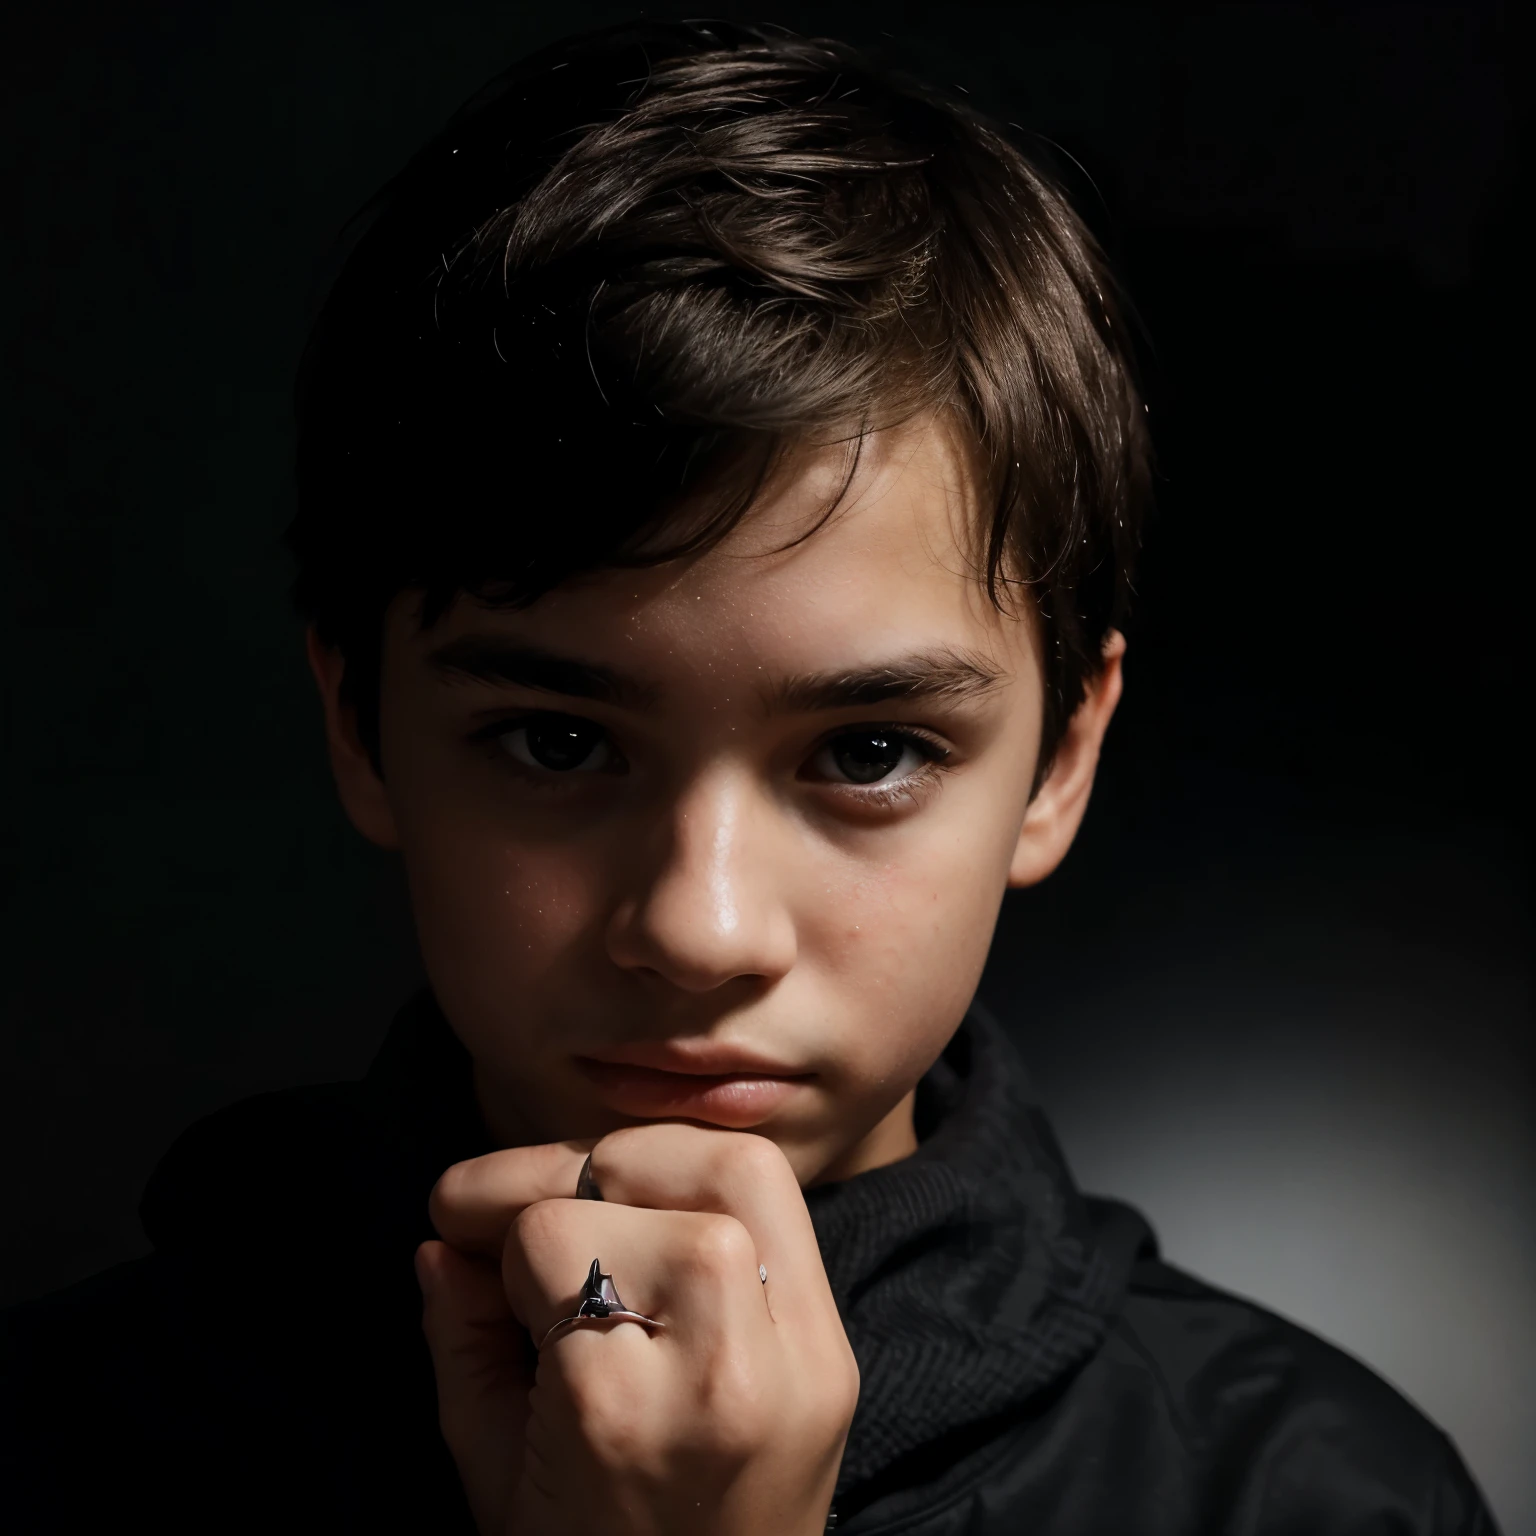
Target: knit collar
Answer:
pixel 968 1275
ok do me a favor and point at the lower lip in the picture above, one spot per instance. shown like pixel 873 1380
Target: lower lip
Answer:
pixel 735 1100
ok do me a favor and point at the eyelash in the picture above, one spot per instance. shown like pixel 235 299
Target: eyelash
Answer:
pixel 489 736
pixel 913 789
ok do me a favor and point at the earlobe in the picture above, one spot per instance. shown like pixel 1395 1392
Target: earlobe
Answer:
pixel 362 792
pixel 1057 811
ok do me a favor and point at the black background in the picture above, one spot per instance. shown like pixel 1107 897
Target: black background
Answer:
pixel 1279 994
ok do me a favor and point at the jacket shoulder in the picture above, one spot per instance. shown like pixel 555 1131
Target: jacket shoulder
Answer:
pixel 1293 1433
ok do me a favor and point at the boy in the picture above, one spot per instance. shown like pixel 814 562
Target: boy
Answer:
pixel 719 475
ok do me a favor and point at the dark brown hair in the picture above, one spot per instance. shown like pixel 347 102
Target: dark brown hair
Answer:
pixel 588 319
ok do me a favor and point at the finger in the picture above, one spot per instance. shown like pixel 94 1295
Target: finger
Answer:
pixel 474 1202
pixel 694 1273
pixel 479 1356
pixel 691 1168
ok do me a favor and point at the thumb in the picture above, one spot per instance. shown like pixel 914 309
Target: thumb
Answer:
pixel 481 1360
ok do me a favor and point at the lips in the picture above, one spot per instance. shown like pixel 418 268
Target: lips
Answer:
pixel 721 1088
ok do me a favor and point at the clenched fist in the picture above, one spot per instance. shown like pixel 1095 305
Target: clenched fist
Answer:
pixel 731 1420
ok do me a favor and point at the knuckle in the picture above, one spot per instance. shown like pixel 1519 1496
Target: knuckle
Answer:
pixel 845 1398
pixel 827 1411
pixel 450 1191
pixel 719 1249
pixel 734 1437
pixel 633 1146
pixel 539 1229
pixel 617 1156
pixel 751 1158
pixel 609 1426
pixel 736 1408
pixel 624 1140
pixel 843 1386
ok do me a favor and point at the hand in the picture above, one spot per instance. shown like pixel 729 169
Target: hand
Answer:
pixel 731 1421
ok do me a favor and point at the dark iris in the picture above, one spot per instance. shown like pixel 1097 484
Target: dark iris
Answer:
pixel 562 744
pixel 868 756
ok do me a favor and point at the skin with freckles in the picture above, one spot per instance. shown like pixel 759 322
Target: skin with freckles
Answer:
pixel 705 862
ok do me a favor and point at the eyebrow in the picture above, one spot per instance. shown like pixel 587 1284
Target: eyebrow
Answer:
pixel 492 659
pixel 948 675
pixel 945 674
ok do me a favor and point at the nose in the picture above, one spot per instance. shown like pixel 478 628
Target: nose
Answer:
pixel 706 905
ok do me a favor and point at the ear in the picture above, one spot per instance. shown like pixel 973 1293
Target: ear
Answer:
pixel 362 791
pixel 1056 812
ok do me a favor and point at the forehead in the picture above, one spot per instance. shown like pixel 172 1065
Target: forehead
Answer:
pixel 792 589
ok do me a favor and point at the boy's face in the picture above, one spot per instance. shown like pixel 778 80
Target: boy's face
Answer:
pixel 725 840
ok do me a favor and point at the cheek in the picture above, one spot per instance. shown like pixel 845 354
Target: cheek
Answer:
pixel 933 893
pixel 902 946
pixel 493 913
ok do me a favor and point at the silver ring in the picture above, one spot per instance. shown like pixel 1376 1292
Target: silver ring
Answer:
pixel 599 1304
pixel 586 1185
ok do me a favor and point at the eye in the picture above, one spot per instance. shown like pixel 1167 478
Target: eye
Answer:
pixel 874 755
pixel 557 744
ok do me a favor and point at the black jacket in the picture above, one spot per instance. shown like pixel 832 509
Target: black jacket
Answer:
pixel 1028 1363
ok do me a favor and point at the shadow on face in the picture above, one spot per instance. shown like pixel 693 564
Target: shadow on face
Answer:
pixel 725 839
